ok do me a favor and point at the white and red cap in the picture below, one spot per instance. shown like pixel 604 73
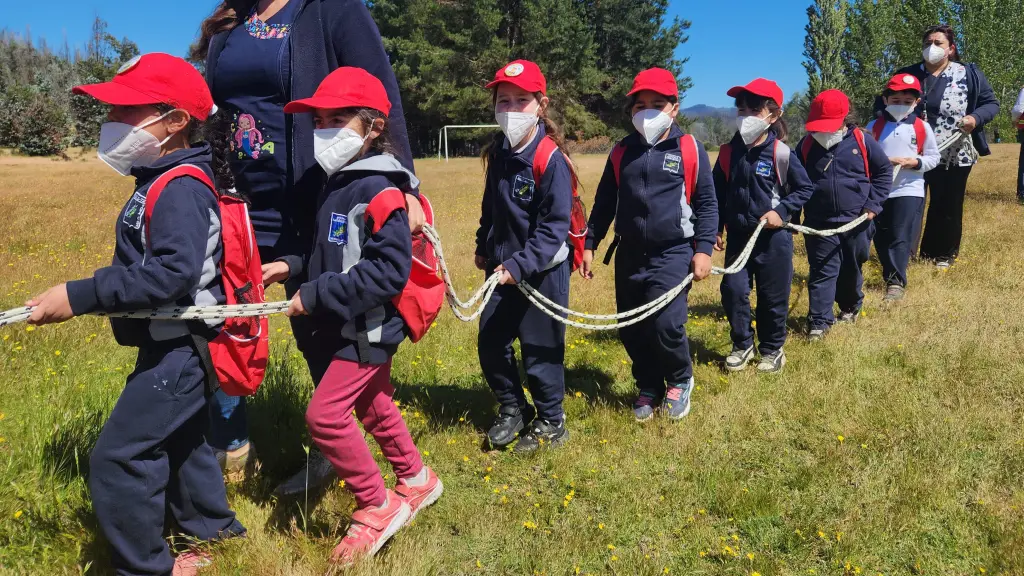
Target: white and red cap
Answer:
pixel 346 87
pixel 521 73
pixel 902 82
pixel 155 78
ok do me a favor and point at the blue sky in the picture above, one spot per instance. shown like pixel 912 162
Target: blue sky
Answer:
pixel 730 42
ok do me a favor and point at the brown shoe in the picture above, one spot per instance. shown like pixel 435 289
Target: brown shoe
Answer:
pixel 235 464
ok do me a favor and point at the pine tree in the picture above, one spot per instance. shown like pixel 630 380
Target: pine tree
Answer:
pixel 823 46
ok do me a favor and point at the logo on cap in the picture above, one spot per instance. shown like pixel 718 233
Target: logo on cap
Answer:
pixel 129 65
pixel 514 70
pixel 908 79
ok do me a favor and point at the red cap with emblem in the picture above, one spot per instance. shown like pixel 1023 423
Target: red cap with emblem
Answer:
pixel 346 87
pixel 656 80
pixel 904 82
pixel 155 79
pixel 759 87
pixel 522 73
pixel 828 112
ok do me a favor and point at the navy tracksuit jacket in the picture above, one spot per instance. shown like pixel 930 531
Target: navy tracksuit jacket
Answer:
pixel 659 231
pixel 751 191
pixel 353 274
pixel 151 457
pixel 524 226
pixel 842 192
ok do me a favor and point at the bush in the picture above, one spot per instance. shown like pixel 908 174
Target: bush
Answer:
pixel 45 128
pixel 14 101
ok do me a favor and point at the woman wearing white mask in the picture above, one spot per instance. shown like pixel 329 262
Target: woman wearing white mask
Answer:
pixel 657 186
pixel 758 178
pixel 524 233
pixel 957 97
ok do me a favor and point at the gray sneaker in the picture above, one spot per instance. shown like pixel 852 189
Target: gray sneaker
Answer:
pixel 739 358
pixel 943 264
pixel 772 362
pixel 677 401
pixel 848 317
pixel 643 406
pixel 894 293
pixel 816 334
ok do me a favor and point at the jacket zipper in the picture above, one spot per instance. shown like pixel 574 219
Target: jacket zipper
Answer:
pixel 832 182
pixel 643 193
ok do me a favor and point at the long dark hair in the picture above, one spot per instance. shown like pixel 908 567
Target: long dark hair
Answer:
pixel 384 144
pixel 225 17
pixel 489 153
pixel 758 103
pixel 217 133
pixel 947 31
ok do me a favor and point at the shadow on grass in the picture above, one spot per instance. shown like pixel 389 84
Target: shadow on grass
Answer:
pixel 66 453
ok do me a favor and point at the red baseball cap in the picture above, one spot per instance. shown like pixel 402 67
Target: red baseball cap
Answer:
pixel 522 73
pixel 828 112
pixel 346 87
pixel 657 80
pixel 903 82
pixel 759 87
pixel 155 78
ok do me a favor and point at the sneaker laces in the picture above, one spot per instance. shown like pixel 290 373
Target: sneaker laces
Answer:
pixel 644 399
pixel 675 393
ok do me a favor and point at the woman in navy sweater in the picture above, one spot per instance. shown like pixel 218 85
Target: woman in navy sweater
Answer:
pixel 259 55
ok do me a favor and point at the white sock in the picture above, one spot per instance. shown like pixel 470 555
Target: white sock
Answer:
pixel 419 479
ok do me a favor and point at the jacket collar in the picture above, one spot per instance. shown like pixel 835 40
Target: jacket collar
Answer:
pixel 526 155
pixel 199 154
pixel 376 163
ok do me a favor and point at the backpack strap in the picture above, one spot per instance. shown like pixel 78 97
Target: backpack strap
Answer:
pixel 781 154
pixel 858 135
pixel 616 159
pixel 878 127
pixel 158 185
pixel 725 160
pixel 805 148
pixel 541 157
pixel 689 150
pixel 921 135
pixel 381 206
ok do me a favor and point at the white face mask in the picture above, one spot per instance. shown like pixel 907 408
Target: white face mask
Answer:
pixel 751 128
pixel 651 124
pixel 333 148
pixel 934 54
pixel 122 145
pixel 828 140
pixel 899 111
pixel 516 125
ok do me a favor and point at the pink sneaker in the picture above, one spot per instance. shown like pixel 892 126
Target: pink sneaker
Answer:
pixel 370 529
pixel 189 563
pixel 419 497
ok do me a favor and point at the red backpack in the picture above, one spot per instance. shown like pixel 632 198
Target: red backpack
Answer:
pixel 858 135
pixel 919 132
pixel 421 300
pixel 688 149
pixel 578 215
pixel 236 358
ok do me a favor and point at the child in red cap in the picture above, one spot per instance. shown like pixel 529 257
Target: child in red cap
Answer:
pixel 758 178
pixel 524 234
pixel 910 144
pixel 852 176
pixel 152 459
pixel 657 187
pixel 361 259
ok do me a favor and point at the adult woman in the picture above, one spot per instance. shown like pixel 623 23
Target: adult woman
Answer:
pixel 259 55
pixel 957 98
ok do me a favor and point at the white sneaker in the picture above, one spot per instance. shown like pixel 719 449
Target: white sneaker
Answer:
pixel 739 358
pixel 772 362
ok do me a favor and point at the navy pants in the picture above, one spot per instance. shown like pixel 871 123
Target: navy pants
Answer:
pixel 894 236
pixel 1020 166
pixel 770 268
pixel 152 459
pixel 835 273
pixel 658 346
pixel 508 316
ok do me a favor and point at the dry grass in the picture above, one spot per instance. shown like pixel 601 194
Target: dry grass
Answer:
pixel 893 447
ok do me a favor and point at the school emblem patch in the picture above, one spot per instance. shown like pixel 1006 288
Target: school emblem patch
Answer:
pixel 522 189
pixel 513 70
pixel 338 234
pixel 672 163
pixel 134 211
pixel 764 168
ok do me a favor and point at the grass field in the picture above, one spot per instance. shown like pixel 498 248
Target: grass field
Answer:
pixel 895 446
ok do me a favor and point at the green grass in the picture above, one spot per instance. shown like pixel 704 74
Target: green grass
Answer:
pixel 893 447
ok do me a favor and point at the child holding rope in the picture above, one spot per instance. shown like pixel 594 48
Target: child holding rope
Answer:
pixel 758 179
pixel 361 261
pixel 524 227
pixel 910 144
pixel 852 176
pixel 657 186
pixel 152 459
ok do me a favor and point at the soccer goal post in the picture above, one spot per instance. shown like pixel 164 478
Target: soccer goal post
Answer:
pixel 442 134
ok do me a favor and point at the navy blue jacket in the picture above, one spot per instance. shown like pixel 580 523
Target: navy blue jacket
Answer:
pixel 524 225
pixel 353 274
pixel 981 100
pixel 178 264
pixel 752 188
pixel 326 34
pixel 842 191
pixel 649 203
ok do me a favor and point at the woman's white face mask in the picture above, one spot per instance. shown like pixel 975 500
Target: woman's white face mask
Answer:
pixel 334 148
pixel 123 146
pixel 934 54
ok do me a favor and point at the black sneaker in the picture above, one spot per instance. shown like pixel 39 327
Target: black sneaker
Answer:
pixel 894 293
pixel 507 426
pixel 817 334
pixel 543 433
pixel 316 475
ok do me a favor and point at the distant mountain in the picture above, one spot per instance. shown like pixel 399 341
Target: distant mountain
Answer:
pixel 704 111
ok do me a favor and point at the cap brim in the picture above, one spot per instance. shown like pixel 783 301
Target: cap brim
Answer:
pixel 321 103
pixel 825 125
pixel 737 90
pixel 528 86
pixel 652 89
pixel 903 88
pixel 115 94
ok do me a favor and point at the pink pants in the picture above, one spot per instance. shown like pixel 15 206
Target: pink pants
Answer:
pixel 367 389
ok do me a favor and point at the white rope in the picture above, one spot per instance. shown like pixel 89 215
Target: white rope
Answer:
pixel 953 138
